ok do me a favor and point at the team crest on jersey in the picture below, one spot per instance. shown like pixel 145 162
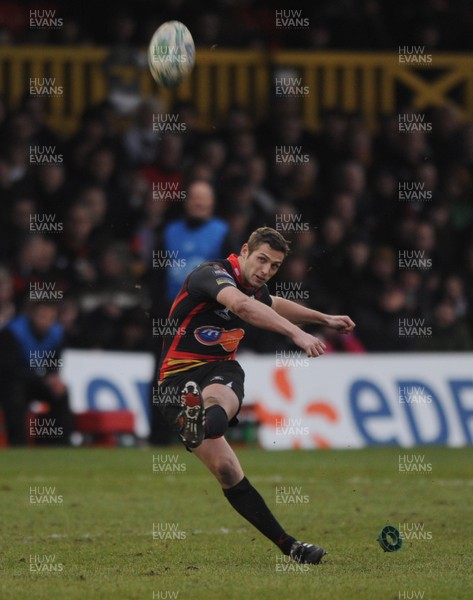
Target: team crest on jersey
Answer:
pixel 213 336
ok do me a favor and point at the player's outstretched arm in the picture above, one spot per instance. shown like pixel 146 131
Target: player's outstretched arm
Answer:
pixel 295 313
pixel 258 314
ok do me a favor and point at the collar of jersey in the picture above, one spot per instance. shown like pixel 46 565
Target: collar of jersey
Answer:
pixel 233 260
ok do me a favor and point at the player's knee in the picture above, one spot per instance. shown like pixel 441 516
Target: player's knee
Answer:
pixel 227 472
pixel 216 421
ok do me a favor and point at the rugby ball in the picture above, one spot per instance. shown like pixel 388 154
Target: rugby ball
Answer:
pixel 171 54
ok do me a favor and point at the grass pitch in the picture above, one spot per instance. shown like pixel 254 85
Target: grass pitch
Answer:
pixel 102 524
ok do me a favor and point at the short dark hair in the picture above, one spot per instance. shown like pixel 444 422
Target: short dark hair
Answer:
pixel 268 235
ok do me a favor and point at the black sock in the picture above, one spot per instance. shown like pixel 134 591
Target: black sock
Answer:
pixel 216 421
pixel 248 502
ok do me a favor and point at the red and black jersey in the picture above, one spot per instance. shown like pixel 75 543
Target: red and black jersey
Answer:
pixel 203 329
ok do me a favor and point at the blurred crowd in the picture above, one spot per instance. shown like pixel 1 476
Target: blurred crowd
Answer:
pixel 108 232
pixel 325 24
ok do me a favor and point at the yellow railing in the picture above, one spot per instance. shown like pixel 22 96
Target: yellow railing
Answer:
pixel 367 83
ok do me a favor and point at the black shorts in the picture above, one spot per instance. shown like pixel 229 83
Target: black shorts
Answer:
pixel 225 372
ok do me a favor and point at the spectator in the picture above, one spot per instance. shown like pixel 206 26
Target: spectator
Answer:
pixel 19 157
pixel 7 181
pixel 30 350
pixel 197 237
pixel 77 248
pixel 140 140
pixel 69 319
pixel 34 263
pixel 257 173
pixel 91 135
pixel 449 332
pixel 457 190
pixel 359 144
pixel 238 219
pixel 454 294
pixel 148 231
pixel 345 208
pixel 123 63
pixel 36 108
pixel 378 327
pixel 330 142
pixel 332 250
pixel 213 154
pixel 51 189
pixel 305 192
pixel 418 302
pixel 208 31
pixel 201 171
pixel 382 270
pixel 107 304
pixel 243 146
pixel 188 122
pixel 351 179
pixel 355 269
pixel 167 173
pixel 239 192
pixel 16 225
pixel 7 305
pixel 94 199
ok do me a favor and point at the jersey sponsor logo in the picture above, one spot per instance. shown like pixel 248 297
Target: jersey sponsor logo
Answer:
pixel 213 336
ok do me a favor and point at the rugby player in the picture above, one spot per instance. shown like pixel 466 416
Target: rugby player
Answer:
pixel 200 382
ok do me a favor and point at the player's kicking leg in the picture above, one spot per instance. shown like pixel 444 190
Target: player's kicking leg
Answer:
pixel 217 404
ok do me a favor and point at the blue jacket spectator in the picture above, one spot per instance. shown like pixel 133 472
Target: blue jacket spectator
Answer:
pixel 30 348
pixel 187 242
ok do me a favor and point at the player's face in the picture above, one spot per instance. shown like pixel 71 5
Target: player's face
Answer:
pixel 262 264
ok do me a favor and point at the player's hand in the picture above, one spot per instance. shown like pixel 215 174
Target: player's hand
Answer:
pixel 342 323
pixel 311 345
